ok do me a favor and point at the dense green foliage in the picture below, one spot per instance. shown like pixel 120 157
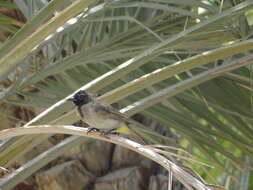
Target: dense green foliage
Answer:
pixel 184 63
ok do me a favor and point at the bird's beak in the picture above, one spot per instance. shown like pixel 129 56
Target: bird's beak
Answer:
pixel 70 99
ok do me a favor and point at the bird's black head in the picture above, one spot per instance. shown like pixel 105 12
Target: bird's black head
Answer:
pixel 80 98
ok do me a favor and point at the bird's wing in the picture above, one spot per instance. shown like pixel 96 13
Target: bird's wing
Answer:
pixel 102 109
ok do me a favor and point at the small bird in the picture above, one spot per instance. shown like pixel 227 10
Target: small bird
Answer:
pixel 101 117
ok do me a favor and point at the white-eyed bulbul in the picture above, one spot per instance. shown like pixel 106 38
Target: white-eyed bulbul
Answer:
pixel 101 117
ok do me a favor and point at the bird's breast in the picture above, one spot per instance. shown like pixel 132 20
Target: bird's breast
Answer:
pixel 97 120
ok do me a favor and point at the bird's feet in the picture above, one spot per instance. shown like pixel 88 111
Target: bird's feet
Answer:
pixel 92 129
pixel 103 132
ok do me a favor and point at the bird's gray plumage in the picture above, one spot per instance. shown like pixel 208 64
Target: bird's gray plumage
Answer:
pixel 97 114
pixel 101 116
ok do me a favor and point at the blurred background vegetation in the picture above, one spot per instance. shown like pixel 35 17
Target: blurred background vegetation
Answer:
pixel 181 68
